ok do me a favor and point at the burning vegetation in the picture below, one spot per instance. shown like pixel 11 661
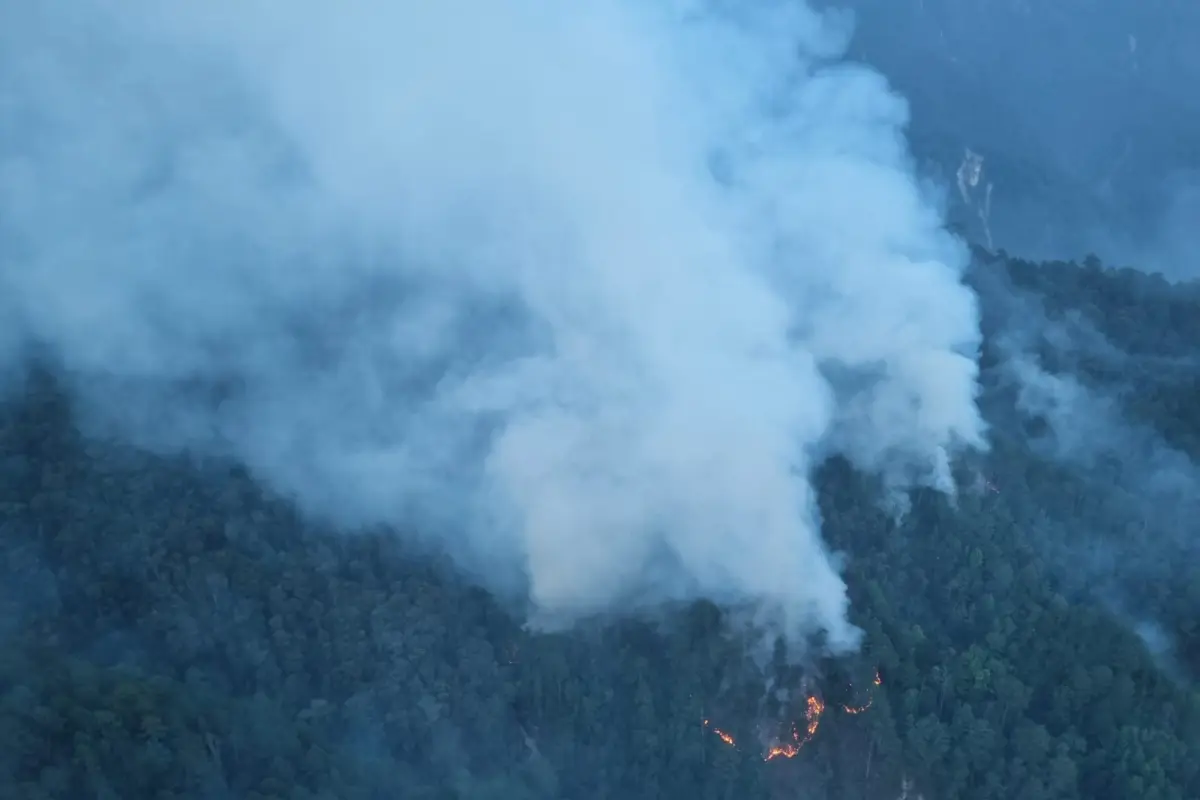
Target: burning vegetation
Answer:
pixel 870 698
pixel 790 745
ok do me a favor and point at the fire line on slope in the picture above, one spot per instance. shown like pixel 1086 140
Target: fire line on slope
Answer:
pixel 814 708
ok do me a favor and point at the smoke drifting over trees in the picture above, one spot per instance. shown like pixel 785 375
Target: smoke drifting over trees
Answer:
pixel 516 400
pixel 585 290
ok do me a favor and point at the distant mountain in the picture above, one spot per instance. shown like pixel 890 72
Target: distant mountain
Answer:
pixel 1084 112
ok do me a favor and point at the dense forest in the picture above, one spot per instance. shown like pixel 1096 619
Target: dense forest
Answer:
pixel 172 629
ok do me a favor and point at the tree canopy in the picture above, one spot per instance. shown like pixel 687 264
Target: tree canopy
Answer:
pixel 172 629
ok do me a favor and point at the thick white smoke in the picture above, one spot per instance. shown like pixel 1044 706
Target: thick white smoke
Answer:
pixel 586 288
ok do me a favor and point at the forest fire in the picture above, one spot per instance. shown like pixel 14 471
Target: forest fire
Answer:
pixel 858 709
pixel 722 735
pixel 788 750
pixel 814 708
pixel 813 713
pixel 870 699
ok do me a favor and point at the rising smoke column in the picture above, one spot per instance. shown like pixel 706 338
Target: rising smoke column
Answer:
pixel 583 289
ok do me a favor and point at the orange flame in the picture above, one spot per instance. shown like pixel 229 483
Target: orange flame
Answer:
pixel 722 735
pixel 782 750
pixel 813 714
pixel 859 709
pixel 814 707
pixel 785 749
pixel 870 698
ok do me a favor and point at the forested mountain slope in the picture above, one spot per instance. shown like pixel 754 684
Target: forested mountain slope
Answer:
pixel 172 630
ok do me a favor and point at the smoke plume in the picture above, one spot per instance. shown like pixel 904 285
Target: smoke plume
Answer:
pixel 580 290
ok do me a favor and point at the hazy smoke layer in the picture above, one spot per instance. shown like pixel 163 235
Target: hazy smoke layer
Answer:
pixel 583 287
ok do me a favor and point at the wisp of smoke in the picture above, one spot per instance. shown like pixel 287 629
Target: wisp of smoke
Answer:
pixel 585 289
pixel 1116 519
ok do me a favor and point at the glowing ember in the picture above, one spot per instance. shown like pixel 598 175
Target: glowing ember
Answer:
pixel 722 735
pixel 814 707
pixel 813 714
pixel 782 750
pixel 859 709
pixel 870 699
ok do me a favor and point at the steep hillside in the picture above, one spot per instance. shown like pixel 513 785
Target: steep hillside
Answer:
pixel 170 630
